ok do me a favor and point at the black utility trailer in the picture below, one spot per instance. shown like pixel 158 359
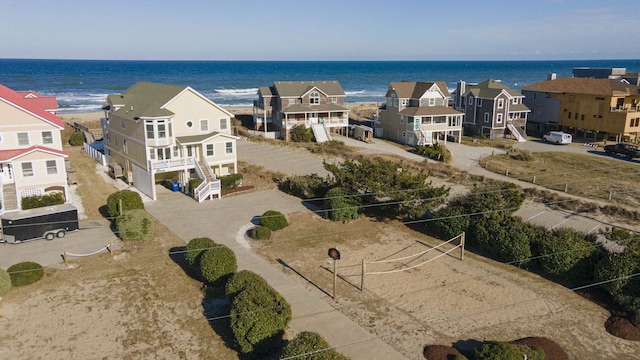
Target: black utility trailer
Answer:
pixel 40 223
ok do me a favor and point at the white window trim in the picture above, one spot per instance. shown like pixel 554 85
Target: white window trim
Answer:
pixel 226 148
pixel 486 117
pixel 206 123
pixel 224 121
pixel 213 150
pixel 54 167
pixel 479 102
pixel 499 118
pixel 22 168
pixel 51 137
pixel 28 140
pixel 314 98
pixel 500 103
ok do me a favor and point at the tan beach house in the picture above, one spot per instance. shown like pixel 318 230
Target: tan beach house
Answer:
pixel 492 109
pixel 155 133
pixel 418 113
pixel 31 158
pixel 318 105
pixel 595 108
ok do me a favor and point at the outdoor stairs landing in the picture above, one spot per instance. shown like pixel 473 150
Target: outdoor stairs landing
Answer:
pixel 9 197
pixel 205 172
pixel 516 132
pixel 321 133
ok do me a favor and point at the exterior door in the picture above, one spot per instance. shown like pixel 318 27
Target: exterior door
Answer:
pixel 6 173
pixel 192 152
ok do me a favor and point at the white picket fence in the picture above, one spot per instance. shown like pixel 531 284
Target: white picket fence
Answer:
pixel 95 154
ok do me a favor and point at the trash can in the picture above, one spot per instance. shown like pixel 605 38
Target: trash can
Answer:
pixel 175 186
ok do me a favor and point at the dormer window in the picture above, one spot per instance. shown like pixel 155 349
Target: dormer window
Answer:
pixel 314 98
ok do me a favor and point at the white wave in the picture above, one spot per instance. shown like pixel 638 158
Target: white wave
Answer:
pixel 358 92
pixel 237 92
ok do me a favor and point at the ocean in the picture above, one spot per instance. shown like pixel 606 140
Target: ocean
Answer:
pixel 82 85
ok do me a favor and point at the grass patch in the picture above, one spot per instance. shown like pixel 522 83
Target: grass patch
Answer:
pixel 494 143
pixel 582 175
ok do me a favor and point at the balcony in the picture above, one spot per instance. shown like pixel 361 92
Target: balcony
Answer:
pixel 159 166
pixel 626 109
pixel 327 121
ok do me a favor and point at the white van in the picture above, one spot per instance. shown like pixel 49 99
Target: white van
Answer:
pixel 558 137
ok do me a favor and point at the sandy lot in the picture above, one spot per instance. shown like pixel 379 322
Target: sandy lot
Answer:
pixel 446 301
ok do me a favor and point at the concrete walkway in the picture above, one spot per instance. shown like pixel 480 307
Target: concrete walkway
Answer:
pixel 223 219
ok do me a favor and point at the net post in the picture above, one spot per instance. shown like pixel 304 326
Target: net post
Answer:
pixel 64 257
pixel 462 246
pixel 364 271
pixel 110 248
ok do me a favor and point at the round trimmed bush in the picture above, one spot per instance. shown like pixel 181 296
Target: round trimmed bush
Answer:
pixel 194 250
pixel 259 316
pixel 242 280
pixel 307 342
pixel 135 225
pixel 274 220
pixel 25 273
pixel 496 350
pixel 76 139
pixel 5 282
pixel 217 265
pixel 260 233
pixel 130 200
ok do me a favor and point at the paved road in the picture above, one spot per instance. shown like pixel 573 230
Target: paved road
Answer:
pixel 226 221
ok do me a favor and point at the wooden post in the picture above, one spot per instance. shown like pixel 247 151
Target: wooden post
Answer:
pixel 462 246
pixel 364 271
pixel 534 179
pixel 110 248
pixel 506 172
pixel 566 187
pixel 335 275
pixel 610 194
pixel 64 257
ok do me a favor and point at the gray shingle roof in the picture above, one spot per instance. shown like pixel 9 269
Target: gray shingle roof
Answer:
pixel 299 88
pixel 145 99
pixel 490 88
pixel 429 111
pixel 415 89
pixel 193 139
pixel 589 86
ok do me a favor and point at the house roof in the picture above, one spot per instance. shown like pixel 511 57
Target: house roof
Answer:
pixel 303 108
pixel 12 154
pixel 416 89
pixel 19 101
pixel 587 86
pixel 196 139
pixel 49 103
pixel 490 89
pixel 265 91
pixel 299 88
pixel 429 111
pixel 145 99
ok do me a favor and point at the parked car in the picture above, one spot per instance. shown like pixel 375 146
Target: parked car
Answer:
pixel 627 150
pixel 557 137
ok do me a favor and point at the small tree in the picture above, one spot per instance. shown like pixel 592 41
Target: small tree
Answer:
pixel 260 233
pixel 300 133
pixel 135 225
pixel 568 253
pixel 242 280
pixel 273 220
pixel 217 264
pixel 76 139
pixel 130 200
pixel 25 273
pixel 5 282
pixel 309 342
pixel 259 316
pixel 341 205
pixel 194 250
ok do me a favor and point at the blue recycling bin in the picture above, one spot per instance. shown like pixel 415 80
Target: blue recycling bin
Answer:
pixel 175 186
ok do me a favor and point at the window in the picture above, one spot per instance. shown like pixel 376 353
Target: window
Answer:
pixel 405 102
pixel 152 154
pixel 582 117
pixel 334 99
pixel 210 151
pixel 204 125
pixel 500 103
pixel 47 137
pixel 124 145
pixel 600 98
pixel 292 101
pixel 569 117
pixel 314 98
pixel 515 101
pixel 479 102
pixel 52 169
pixel 115 140
pixel 162 131
pixel 224 123
pixel 23 139
pixel 229 148
pixel 432 101
pixel 499 119
pixel 122 125
pixel 486 117
pixel 150 133
pixel 576 116
pixel 27 169
pixel 176 152
pixel 470 100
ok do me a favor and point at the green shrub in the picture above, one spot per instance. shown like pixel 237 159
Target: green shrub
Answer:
pixel 260 233
pixel 231 181
pixel 618 266
pixel 273 220
pixel 242 280
pixel 194 250
pixel 304 186
pixel 217 265
pixel 130 200
pixel 634 310
pixel 308 342
pixel 449 222
pixel 25 273
pixel 135 225
pixel 435 152
pixel 566 252
pixel 341 205
pixel 37 201
pixel 76 139
pixel 495 350
pixel 300 133
pixel 194 183
pixel 5 282
pixel 259 316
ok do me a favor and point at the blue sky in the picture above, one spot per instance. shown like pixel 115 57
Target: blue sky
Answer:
pixel 320 30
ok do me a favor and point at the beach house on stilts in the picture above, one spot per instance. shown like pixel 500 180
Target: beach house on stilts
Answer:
pixel 158 133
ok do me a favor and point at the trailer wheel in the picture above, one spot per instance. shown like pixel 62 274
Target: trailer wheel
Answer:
pixel 61 233
pixel 50 236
